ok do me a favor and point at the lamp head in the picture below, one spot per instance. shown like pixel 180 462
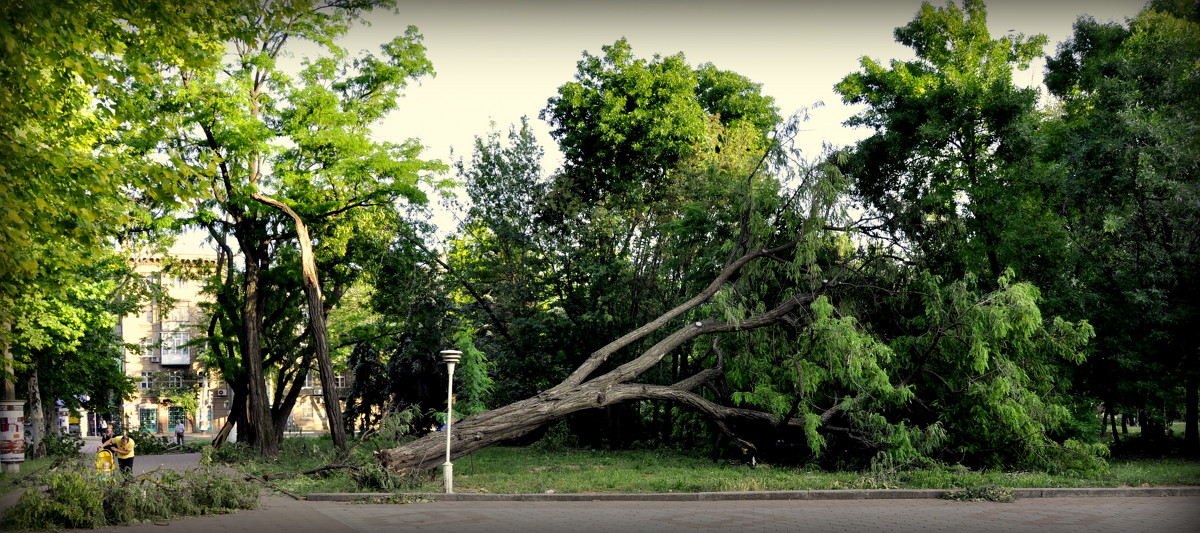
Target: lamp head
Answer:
pixel 451 356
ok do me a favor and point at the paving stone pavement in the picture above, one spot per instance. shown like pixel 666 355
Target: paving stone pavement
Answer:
pixel 1058 512
pixel 1124 514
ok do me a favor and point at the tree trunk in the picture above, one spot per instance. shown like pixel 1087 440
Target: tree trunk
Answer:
pixel 258 428
pixel 316 318
pixel 235 418
pixel 37 416
pixel 577 392
pixel 10 386
pixel 1112 419
pixel 1191 439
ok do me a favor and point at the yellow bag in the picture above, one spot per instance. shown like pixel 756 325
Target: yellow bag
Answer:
pixel 104 463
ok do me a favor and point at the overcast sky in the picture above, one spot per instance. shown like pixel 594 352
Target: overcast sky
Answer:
pixel 499 60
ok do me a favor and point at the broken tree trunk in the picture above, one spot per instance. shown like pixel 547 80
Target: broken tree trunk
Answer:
pixel 316 318
pixel 577 392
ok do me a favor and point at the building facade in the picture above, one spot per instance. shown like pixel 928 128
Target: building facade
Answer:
pixel 170 378
pixel 169 375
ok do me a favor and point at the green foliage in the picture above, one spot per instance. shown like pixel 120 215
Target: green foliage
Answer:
pixel 63 445
pixel 943 168
pixel 75 496
pixel 229 453
pixel 474 375
pixel 151 444
pixel 625 123
pixel 1125 153
pixel 373 477
pixel 66 74
pixel 982 493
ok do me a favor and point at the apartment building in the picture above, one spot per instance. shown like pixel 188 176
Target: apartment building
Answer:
pixel 167 367
pixel 164 364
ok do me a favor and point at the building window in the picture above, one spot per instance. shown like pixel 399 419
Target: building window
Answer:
pixel 148 419
pixel 175 380
pixel 146 378
pixel 175 338
pixel 310 380
pixel 339 381
pixel 174 415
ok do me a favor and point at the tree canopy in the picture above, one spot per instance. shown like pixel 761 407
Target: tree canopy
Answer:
pixel 965 285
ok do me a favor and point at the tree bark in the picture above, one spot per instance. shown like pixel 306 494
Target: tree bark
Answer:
pixel 258 428
pixel 577 392
pixel 1112 419
pixel 37 416
pixel 10 386
pixel 1191 438
pixel 316 318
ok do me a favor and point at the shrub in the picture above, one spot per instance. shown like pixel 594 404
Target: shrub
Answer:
pixel 228 453
pixel 65 499
pixel 74 496
pixel 63 445
pixel 373 477
pixel 151 444
pixel 990 493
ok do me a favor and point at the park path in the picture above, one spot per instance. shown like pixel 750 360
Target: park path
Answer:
pixel 1117 511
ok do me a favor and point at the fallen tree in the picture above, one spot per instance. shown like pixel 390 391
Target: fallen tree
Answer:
pixel 580 391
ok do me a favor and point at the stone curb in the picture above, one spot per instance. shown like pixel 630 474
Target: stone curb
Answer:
pixel 879 494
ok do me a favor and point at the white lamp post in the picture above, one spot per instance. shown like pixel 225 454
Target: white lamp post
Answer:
pixel 450 357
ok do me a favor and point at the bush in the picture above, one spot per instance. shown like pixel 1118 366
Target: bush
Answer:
pixel 63 445
pixel 66 499
pixel 74 496
pixel 151 444
pixel 228 453
pixel 374 477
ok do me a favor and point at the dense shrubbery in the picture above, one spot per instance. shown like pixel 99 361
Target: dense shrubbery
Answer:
pixel 359 470
pixel 75 496
pixel 63 445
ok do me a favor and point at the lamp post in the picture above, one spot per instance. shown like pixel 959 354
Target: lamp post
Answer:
pixel 450 357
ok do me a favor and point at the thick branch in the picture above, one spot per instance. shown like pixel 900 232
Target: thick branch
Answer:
pixel 600 356
pixel 316 317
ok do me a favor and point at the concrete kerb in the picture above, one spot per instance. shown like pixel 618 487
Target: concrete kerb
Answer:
pixel 873 494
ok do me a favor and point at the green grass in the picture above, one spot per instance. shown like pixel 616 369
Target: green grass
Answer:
pixel 537 469
pixel 8 482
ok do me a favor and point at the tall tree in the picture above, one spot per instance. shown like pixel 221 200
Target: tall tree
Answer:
pixel 65 344
pixel 1127 150
pixel 950 128
pixel 65 69
pixel 560 262
pixel 330 182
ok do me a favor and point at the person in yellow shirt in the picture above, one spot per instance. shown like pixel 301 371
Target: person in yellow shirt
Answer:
pixel 122 446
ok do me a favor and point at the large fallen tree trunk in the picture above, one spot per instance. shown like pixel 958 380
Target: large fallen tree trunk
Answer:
pixel 577 392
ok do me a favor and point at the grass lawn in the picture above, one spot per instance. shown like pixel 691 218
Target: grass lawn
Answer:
pixel 536 469
pixel 8 482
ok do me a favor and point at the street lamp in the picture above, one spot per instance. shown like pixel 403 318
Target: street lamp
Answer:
pixel 450 357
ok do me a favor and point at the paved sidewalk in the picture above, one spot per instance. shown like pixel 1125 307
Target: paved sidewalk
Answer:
pixel 1068 510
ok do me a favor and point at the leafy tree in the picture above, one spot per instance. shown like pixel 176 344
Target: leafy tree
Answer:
pixel 1126 150
pixel 64 343
pixel 67 193
pixel 942 168
pixel 290 163
pixel 626 122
